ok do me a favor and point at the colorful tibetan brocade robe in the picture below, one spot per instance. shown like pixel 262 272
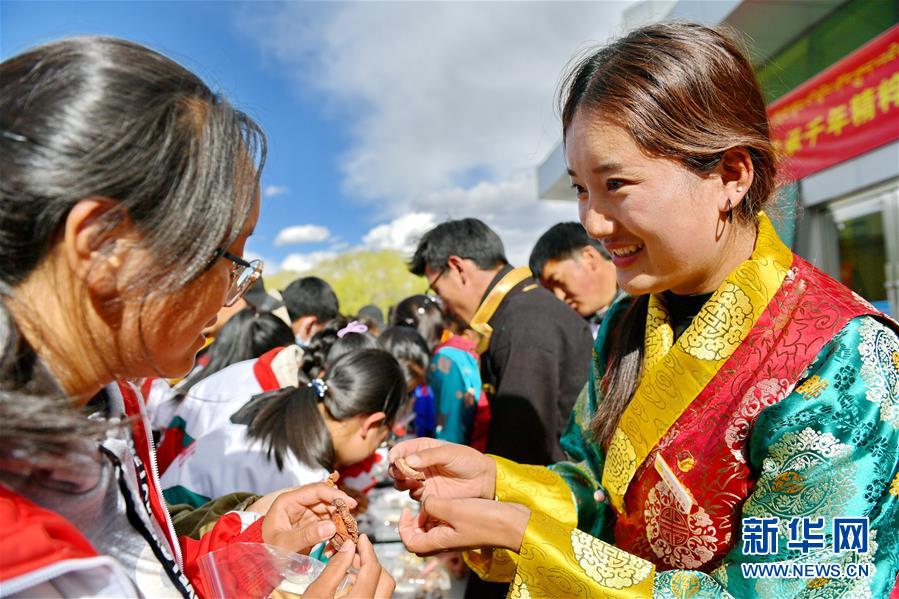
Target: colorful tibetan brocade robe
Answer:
pixel 780 400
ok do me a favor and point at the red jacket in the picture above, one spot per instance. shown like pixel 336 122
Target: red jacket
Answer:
pixel 38 546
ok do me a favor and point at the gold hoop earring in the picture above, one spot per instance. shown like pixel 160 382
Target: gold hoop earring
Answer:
pixel 730 211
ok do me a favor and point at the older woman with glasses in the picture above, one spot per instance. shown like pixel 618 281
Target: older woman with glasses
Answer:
pixel 127 194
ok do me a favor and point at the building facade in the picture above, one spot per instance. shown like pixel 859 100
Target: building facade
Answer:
pixel 830 73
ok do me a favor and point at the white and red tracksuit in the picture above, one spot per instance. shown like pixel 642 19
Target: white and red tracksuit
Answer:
pixel 121 545
pixel 212 401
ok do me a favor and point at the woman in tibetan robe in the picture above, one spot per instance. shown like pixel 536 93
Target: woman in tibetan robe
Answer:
pixel 742 403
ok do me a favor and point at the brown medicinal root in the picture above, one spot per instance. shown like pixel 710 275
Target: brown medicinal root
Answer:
pixel 408 471
pixel 346 526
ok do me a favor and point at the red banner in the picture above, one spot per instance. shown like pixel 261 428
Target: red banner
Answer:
pixel 846 110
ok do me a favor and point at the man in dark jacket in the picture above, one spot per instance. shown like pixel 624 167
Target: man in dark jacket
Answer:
pixel 535 350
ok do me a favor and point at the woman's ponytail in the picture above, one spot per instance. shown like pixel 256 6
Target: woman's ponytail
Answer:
pixel 289 420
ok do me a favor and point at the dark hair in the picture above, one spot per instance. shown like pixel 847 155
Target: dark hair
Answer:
pixel 311 296
pixel 248 334
pixel 98 116
pixel 359 383
pixel 423 314
pixel 562 241
pixel 326 346
pixel 103 117
pixel 467 238
pixel 682 91
pixel 409 348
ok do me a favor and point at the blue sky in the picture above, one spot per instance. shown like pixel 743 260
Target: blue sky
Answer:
pixel 382 118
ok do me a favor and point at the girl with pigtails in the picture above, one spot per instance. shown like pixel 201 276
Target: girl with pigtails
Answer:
pixel 201 407
pixel 295 435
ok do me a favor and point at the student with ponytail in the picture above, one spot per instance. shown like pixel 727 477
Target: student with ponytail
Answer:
pixel 295 435
pixel 209 403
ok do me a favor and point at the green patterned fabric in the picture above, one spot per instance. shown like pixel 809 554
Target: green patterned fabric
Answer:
pixel 836 431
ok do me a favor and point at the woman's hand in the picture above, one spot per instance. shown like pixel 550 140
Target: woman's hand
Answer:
pixel 371 580
pixel 299 519
pixel 450 470
pixel 455 524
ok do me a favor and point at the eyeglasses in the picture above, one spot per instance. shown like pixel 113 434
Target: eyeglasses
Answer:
pixel 243 275
pixel 430 291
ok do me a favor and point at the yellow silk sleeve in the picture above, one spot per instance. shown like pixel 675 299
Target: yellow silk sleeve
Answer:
pixel 535 487
pixel 492 564
pixel 557 561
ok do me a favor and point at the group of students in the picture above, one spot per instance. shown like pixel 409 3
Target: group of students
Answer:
pixel 260 413
pixel 730 385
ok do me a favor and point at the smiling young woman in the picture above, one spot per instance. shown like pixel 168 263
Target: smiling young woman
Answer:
pixel 736 382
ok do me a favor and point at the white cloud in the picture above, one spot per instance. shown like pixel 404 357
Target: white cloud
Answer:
pixel 510 207
pixel 400 234
pixel 304 262
pixel 302 234
pixel 271 191
pixel 449 106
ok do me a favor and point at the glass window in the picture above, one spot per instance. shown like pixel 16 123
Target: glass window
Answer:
pixel 848 28
pixel 863 256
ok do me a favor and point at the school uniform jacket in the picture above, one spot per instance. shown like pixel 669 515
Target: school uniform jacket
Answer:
pixel 107 531
pixel 212 401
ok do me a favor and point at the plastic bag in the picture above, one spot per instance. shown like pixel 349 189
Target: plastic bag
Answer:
pixel 256 570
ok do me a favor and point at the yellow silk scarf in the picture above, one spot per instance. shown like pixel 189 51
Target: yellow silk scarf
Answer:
pixel 491 303
pixel 674 374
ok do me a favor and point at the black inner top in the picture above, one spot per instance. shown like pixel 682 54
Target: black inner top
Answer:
pixel 683 309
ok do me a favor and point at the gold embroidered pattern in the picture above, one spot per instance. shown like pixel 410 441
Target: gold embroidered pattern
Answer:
pixel 788 483
pixel 723 318
pixel 680 540
pixel 685 584
pixel 894 488
pixel 878 349
pixel 536 487
pixel 659 334
pixel 764 393
pixel 813 387
pixel 519 589
pixel 621 463
pixel 606 565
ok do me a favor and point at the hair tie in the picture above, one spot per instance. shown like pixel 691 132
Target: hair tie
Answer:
pixel 319 386
pixel 353 327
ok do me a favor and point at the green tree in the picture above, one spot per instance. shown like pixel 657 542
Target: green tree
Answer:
pixel 360 278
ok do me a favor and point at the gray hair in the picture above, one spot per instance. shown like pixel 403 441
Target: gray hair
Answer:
pixel 103 117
